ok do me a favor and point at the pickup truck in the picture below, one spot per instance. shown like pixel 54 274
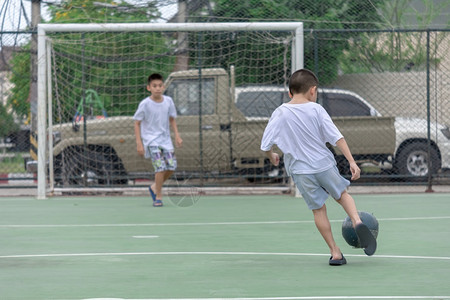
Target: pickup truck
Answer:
pixel 222 126
pixel 394 144
pixel 222 142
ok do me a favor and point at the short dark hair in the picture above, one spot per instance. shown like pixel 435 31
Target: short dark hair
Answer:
pixel 155 76
pixel 301 81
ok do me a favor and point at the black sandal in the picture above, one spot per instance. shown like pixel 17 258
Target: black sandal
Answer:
pixel 366 239
pixel 337 262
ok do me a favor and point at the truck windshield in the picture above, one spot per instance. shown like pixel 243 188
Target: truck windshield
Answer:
pixel 185 94
pixel 260 103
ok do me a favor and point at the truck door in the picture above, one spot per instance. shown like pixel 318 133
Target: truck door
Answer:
pixel 202 123
pixel 368 134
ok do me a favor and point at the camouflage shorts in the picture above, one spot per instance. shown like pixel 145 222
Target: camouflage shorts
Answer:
pixel 162 159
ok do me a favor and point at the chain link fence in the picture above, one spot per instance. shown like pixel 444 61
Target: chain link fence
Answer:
pixel 14 110
pixel 387 90
pixel 402 74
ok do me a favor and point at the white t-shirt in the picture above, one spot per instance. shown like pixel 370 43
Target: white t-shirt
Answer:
pixel 301 131
pixel 155 126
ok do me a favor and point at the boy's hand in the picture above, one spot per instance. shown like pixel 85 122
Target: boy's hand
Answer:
pixel 140 149
pixel 178 142
pixel 274 158
pixel 356 172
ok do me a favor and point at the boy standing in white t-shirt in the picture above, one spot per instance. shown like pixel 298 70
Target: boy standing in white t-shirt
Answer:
pixel 301 128
pixel 153 119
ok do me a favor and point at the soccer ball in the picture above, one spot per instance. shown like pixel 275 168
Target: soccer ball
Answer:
pixel 349 233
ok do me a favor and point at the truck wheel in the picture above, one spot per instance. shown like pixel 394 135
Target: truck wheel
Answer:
pixel 78 168
pixel 413 160
pixel 343 166
pixel 275 175
pixel 269 173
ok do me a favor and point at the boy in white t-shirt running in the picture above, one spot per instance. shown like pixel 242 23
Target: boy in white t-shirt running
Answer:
pixel 153 119
pixel 301 128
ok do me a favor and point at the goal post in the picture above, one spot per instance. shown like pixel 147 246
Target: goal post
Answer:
pixel 46 69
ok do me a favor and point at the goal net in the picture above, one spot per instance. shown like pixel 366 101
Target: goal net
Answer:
pixel 225 80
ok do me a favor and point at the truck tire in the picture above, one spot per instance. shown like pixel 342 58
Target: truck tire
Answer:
pixel 80 168
pixel 343 166
pixel 269 173
pixel 412 160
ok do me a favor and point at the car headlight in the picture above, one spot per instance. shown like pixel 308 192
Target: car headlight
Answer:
pixel 446 131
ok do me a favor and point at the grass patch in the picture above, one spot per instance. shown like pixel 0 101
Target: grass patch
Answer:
pixel 12 163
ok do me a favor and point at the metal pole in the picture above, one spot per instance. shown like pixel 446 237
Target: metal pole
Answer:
pixel 316 54
pixel 36 147
pixel 41 114
pixel 51 175
pixel 200 88
pixel 429 162
pixel 116 27
pixel 35 20
pixel 299 47
pixel 182 58
pixel 83 91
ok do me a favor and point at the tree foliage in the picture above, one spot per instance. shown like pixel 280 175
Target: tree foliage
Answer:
pixel 329 14
pixel 114 65
pixel 7 124
pixel 101 11
pixel 92 61
pixel 394 51
pixel 21 75
pixel 95 61
pixel 324 51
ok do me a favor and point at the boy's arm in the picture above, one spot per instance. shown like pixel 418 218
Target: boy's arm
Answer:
pixel 137 133
pixel 178 140
pixel 342 145
pixel 274 157
pixel 266 144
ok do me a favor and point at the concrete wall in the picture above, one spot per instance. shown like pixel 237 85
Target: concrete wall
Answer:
pixel 405 93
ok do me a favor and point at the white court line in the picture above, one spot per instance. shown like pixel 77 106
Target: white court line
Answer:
pixel 290 298
pixel 145 236
pixel 211 253
pixel 204 224
pixel 158 224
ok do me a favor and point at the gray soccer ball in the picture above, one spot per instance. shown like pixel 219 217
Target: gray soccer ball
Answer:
pixel 349 233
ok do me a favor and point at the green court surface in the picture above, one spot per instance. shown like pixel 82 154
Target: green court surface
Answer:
pixel 223 247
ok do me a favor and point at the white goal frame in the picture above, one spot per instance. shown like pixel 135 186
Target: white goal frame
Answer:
pixel 44 71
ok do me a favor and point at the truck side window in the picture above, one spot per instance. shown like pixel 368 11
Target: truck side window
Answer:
pixel 185 95
pixel 342 105
pixel 260 103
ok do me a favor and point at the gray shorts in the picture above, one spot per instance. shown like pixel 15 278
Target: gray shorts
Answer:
pixel 315 188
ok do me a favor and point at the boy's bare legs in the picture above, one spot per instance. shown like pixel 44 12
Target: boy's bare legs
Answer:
pixel 160 178
pixel 367 240
pixel 324 227
pixel 348 203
